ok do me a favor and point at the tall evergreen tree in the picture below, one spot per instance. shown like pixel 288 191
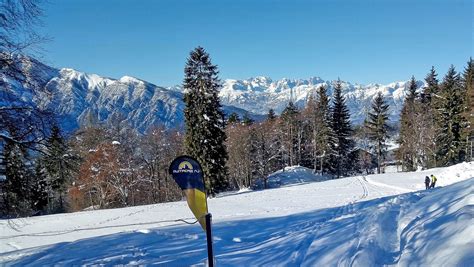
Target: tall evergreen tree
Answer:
pixel 451 148
pixel 39 190
pixel 468 81
pixel 290 127
pixel 378 127
pixel 59 166
pixel 429 117
pixel 432 86
pixel 341 126
pixel 204 119
pixel 323 136
pixel 17 198
pixel 412 94
pixel 407 149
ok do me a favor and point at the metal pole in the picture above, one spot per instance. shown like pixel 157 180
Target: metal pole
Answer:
pixel 210 253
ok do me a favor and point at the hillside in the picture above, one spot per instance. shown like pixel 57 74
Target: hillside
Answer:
pixel 365 220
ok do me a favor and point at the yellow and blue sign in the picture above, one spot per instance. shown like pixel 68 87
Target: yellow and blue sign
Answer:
pixel 187 173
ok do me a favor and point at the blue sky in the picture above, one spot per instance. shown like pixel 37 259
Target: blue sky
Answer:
pixel 362 41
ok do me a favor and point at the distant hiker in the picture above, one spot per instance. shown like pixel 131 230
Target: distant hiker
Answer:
pixel 427 182
pixel 433 181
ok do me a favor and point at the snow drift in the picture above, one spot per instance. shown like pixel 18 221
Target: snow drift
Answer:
pixel 290 176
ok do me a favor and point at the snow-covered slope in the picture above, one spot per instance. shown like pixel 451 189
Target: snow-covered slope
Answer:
pixel 261 93
pixel 356 221
pixel 290 176
pixel 78 98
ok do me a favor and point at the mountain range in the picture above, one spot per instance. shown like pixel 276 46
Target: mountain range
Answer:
pixel 79 98
pixel 259 94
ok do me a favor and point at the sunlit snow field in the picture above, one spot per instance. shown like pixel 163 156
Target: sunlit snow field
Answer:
pixel 385 219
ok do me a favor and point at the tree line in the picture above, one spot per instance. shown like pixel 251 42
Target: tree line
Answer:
pixel 436 124
pixel 435 130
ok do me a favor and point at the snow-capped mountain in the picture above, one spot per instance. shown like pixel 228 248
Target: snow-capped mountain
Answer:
pixel 79 98
pixel 260 94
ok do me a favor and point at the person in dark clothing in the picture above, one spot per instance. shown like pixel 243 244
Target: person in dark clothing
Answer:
pixel 427 182
pixel 433 181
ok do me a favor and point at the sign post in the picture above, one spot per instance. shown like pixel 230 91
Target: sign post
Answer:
pixel 210 252
pixel 187 173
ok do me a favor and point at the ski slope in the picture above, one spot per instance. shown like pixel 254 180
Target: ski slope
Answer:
pixel 370 220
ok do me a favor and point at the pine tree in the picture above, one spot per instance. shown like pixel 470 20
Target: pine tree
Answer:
pixel 341 126
pixel 326 139
pixel 17 198
pixel 271 114
pixel 378 127
pixel 233 118
pixel 204 119
pixel 412 94
pixel 59 166
pixel 290 127
pixel 451 148
pixel 407 149
pixel 39 190
pixel 322 134
pixel 429 117
pixel 432 87
pixel 246 120
pixel 468 82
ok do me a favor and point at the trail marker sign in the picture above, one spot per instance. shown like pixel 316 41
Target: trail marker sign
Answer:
pixel 187 173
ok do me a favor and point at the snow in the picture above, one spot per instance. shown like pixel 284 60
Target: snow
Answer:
pixel 392 145
pixel 92 80
pixel 361 221
pixel 292 175
pixel 129 79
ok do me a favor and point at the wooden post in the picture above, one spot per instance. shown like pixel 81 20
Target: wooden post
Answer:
pixel 210 253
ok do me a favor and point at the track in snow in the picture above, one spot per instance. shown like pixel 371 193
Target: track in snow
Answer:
pixel 336 222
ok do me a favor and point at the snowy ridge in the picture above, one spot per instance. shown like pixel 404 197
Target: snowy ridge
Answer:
pixel 83 99
pixel 262 93
pixel 355 221
pixel 80 98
